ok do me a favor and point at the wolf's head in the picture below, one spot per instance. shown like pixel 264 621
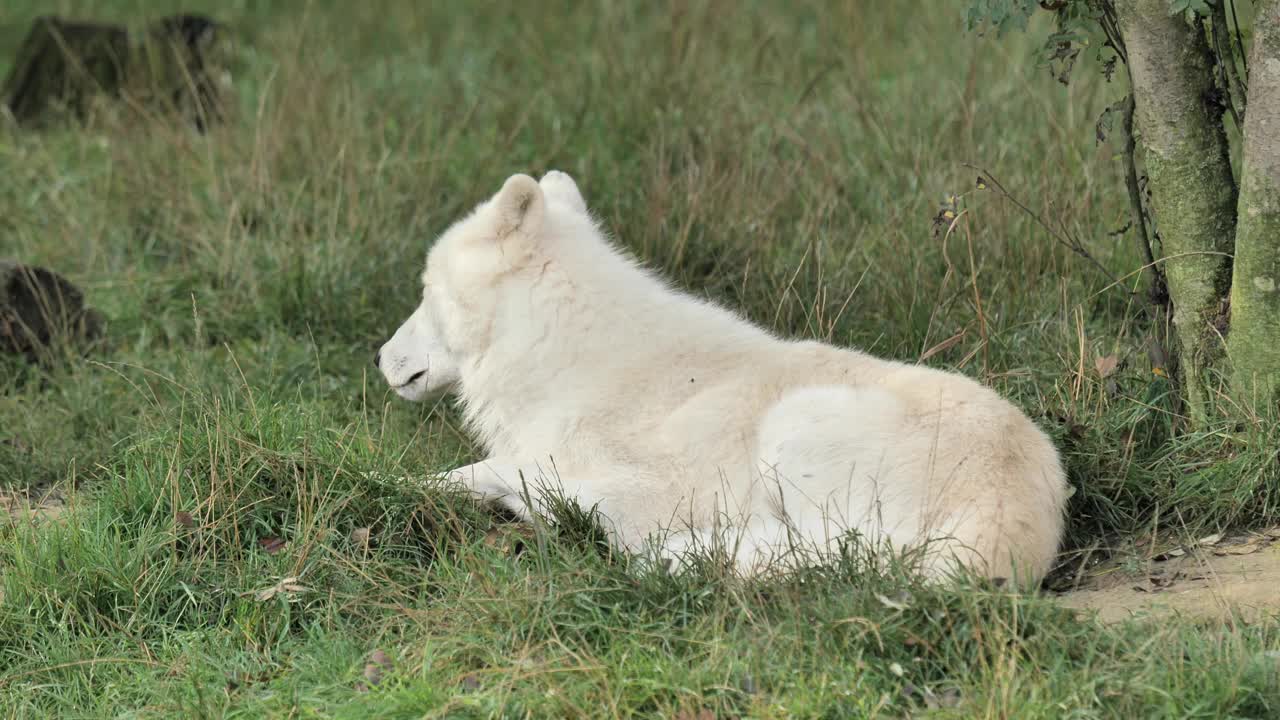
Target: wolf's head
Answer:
pixel 462 294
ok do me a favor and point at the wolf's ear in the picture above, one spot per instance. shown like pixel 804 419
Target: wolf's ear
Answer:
pixel 559 185
pixel 520 205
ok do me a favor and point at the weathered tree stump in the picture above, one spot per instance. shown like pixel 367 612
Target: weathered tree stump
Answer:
pixel 63 67
pixel 40 312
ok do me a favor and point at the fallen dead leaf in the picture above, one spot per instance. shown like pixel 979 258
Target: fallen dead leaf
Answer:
pixel 378 666
pixel 1244 548
pixel 287 588
pixel 494 539
pixel 902 602
pixel 1106 365
pixel 1161 582
pixel 509 539
pixel 380 658
pixel 1213 539
pixel 943 346
pixel 948 698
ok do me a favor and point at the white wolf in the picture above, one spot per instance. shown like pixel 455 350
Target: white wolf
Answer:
pixel 679 419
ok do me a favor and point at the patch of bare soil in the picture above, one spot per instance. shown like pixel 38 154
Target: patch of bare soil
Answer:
pixel 31 506
pixel 26 506
pixel 1214 578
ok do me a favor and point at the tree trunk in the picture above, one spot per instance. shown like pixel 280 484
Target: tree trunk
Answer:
pixel 1193 196
pixel 1254 341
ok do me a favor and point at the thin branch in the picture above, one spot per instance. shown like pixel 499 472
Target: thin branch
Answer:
pixel 1244 57
pixel 1158 292
pixel 1108 22
pixel 1071 243
pixel 1140 270
pixel 1225 48
pixel 1136 208
pixel 1158 288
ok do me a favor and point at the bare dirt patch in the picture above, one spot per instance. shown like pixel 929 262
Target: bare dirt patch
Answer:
pixel 26 506
pixel 1214 578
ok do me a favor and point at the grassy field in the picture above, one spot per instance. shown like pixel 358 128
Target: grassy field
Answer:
pixel 244 513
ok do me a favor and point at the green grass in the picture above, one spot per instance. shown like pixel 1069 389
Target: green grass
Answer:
pixel 784 159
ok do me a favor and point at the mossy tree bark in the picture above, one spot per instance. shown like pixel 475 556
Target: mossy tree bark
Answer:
pixel 1254 340
pixel 1193 192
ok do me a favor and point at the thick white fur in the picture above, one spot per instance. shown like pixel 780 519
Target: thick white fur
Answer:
pixel 679 419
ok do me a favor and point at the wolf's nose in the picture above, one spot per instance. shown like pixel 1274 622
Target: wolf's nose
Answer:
pixel 377 359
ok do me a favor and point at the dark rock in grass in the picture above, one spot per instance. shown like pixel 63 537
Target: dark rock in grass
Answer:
pixel 64 66
pixel 41 311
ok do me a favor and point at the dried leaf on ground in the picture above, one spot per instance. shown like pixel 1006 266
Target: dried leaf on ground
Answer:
pixel 287 588
pixel 380 658
pixel 948 698
pixel 378 666
pixel 1248 547
pixel 1174 553
pixel 901 602
pixel 1106 365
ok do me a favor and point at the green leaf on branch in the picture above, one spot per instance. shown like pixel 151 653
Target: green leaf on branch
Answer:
pixel 1198 7
pixel 1003 15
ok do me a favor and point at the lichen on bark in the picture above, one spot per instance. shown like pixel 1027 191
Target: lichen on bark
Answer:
pixel 1193 192
pixel 1254 342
